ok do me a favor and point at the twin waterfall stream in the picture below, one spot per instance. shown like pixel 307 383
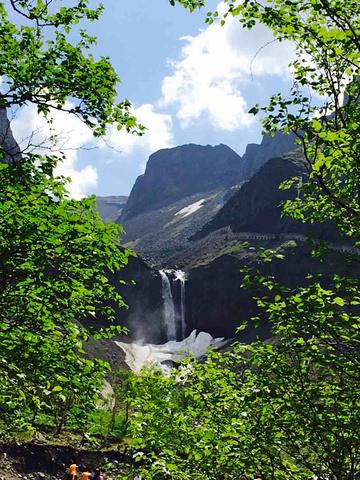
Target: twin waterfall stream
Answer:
pixel 174 318
pixel 177 346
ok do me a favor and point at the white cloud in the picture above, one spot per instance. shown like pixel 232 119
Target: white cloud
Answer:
pixel 158 134
pixel 81 180
pixel 32 132
pixel 206 80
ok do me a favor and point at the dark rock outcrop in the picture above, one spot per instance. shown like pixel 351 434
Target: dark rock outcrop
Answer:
pixel 216 303
pixel 175 173
pixel 8 145
pixel 256 155
pixel 256 207
pixel 140 287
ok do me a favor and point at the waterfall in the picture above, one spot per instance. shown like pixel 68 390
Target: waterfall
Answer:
pixel 169 309
pixel 180 276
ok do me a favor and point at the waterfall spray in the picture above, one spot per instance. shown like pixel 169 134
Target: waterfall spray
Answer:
pixel 169 310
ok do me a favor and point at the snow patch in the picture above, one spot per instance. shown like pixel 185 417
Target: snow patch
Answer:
pixel 137 355
pixel 185 212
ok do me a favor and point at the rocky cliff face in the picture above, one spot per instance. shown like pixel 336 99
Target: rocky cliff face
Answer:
pixel 256 207
pixel 257 155
pixel 216 303
pixel 8 145
pixel 175 173
pixel 140 288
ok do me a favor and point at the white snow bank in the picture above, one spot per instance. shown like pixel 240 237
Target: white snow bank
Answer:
pixel 136 355
pixel 185 212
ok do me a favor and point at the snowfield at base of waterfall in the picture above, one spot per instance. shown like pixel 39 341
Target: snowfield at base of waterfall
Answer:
pixel 137 355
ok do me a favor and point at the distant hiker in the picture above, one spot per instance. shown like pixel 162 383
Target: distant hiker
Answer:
pixel 73 471
pixel 97 475
pixel 86 475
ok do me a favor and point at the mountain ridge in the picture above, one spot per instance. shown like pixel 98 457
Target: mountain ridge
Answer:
pixel 110 207
pixel 182 189
pixel 175 173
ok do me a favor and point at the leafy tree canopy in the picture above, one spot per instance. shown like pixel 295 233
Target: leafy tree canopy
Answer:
pixel 54 256
pixel 43 65
pixel 55 252
pixel 325 34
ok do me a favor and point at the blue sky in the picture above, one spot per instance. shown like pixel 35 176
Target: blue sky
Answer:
pixel 188 82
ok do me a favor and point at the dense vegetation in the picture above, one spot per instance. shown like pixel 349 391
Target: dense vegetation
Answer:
pixel 288 408
pixel 55 253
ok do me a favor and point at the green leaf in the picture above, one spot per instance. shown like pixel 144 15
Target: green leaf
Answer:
pixel 339 301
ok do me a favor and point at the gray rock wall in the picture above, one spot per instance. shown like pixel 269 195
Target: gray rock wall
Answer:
pixel 8 143
pixel 216 303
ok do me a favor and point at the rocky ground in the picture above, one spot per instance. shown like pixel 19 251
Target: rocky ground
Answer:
pixel 30 461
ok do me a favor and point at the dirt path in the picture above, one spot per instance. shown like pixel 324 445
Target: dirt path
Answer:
pixel 49 462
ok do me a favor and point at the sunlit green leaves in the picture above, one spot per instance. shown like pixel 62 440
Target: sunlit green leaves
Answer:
pixel 55 255
pixel 41 65
pixel 190 4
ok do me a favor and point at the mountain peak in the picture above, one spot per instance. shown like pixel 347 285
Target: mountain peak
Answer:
pixel 175 173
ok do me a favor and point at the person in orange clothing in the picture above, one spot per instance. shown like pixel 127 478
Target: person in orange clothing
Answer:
pixel 86 475
pixel 73 471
